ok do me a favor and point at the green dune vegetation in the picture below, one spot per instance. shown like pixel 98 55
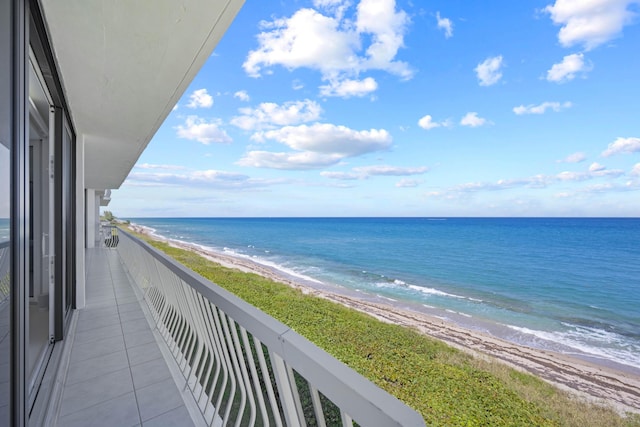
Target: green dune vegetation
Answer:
pixel 448 387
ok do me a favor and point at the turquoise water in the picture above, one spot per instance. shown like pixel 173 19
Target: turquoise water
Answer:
pixel 569 285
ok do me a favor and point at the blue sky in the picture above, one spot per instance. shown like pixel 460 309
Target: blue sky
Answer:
pixel 405 108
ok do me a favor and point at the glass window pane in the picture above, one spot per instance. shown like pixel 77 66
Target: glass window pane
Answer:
pixel 5 209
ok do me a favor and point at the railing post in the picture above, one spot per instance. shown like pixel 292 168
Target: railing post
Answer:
pixel 287 398
pixel 317 406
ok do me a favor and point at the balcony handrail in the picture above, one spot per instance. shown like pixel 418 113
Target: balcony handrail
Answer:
pixel 205 325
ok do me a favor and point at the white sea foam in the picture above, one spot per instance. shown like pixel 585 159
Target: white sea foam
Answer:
pixel 149 230
pixel 146 228
pixel 436 292
pixel 276 266
pixel 253 258
pixel 459 313
pixel 587 341
pixel 384 285
pixel 432 291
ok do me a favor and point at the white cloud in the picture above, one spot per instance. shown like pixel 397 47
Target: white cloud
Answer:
pixel 596 167
pixel 572 176
pixel 568 68
pixel 200 99
pixel 306 39
pixel 328 138
pixel 503 184
pixel 327 3
pixel 364 172
pixel 573 158
pixel 214 175
pixel 335 7
pixel 541 108
pixel 386 27
pixel 347 88
pixel 338 47
pixel 590 23
pixel 269 114
pixel 289 161
pixel 636 170
pixel 297 84
pixel 426 122
pixel 563 195
pixel 242 95
pixel 596 170
pixel 622 145
pixel 599 188
pixel 408 183
pixel 390 170
pixel 165 167
pixel 198 129
pixel 488 71
pixel 472 119
pixel 210 179
pixel 342 176
pixel 445 24
pixel 318 145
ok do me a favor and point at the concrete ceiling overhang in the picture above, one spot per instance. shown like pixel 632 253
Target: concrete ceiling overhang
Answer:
pixel 124 65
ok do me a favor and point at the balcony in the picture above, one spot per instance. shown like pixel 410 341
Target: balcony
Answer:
pixel 158 344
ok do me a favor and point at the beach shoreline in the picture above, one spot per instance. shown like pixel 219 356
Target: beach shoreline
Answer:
pixel 593 382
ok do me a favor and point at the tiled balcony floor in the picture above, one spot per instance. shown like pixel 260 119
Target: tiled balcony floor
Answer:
pixel 116 374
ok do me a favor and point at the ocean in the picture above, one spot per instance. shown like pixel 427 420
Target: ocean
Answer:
pixel 570 285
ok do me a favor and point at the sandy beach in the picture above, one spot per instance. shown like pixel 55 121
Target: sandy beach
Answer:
pixel 596 383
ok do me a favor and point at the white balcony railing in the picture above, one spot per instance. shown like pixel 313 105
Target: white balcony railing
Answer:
pixel 242 366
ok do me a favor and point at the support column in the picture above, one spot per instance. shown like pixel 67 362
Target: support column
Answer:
pixel 96 218
pixel 90 198
pixel 80 225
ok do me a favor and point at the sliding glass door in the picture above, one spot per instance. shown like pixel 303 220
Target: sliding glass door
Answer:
pixel 42 229
pixel 14 199
pixel 37 208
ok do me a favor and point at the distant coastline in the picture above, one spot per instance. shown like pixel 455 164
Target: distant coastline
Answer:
pixel 614 385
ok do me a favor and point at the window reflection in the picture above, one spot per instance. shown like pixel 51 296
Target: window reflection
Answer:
pixel 6 108
pixel 5 326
